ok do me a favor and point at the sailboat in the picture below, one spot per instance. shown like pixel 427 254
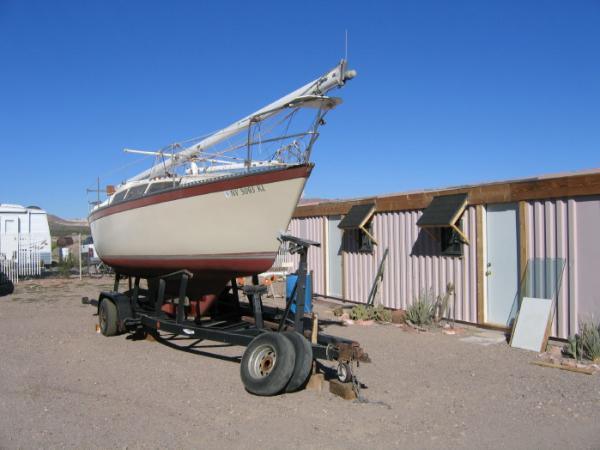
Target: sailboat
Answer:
pixel 217 204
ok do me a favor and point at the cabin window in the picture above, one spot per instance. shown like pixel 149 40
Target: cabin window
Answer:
pixel 136 191
pixel 442 220
pixel 161 186
pixel 119 196
pixel 358 222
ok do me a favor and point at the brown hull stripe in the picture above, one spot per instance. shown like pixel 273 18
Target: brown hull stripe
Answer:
pixel 229 265
pixel 206 188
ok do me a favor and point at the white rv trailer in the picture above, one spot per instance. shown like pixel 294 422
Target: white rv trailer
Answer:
pixel 24 228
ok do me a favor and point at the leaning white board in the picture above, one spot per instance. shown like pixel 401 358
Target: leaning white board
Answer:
pixel 529 332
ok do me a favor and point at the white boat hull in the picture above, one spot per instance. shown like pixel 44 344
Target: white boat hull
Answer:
pixel 217 230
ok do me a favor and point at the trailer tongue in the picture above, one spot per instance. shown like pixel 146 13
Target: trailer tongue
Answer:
pixel 280 347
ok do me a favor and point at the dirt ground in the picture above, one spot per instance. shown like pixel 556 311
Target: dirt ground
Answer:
pixel 62 385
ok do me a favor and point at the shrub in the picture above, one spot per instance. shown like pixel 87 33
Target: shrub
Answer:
pixel 364 312
pixel 586 343
pixel 573 347
pixel 422 311
pixel 380 314
pixel 359 312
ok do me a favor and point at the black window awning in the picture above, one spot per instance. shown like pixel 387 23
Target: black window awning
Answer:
pixel 357 218
pixel 444 211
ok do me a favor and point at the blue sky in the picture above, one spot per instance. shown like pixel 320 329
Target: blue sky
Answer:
pixel 447 92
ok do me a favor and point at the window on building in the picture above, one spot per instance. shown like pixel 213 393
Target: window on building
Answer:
pixel 358 221
pixel 451 244
pixel 442 219
pixel 365 241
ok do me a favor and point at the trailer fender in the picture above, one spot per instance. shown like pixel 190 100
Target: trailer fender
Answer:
pixel 123 305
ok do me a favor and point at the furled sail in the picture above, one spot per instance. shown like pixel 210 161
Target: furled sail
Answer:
pixel 309 95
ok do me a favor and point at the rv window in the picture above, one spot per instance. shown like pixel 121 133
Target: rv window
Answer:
pixel 118 197
pixel 160 186
pixel 136 191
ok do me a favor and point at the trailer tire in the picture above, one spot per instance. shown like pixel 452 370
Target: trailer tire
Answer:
pixel 303 364
pixel 268 364
pixel 107 316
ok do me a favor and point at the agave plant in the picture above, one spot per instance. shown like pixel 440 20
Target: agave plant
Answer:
pixel 586 343
pixel 422 311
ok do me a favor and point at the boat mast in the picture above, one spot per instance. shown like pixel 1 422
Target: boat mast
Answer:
pixel 336 77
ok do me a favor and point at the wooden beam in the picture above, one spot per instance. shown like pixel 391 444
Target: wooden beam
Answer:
pixel 523 239
pixel 370 236
pixel 506 192
pixel 480 264
pixel 586 370
pixel 461 234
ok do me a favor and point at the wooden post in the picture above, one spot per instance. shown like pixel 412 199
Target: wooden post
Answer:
pixel 480 265
pixel 523 230
pixel 79 256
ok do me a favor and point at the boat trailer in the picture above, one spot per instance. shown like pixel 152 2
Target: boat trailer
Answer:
pixel 280 346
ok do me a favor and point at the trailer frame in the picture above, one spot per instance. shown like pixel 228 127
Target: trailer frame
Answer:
pixel 231 322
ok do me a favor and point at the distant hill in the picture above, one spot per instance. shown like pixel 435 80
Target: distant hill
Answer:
pixel 306 201
pixel 65 227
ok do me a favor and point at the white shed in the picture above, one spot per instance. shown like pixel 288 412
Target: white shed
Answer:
pixel 24 228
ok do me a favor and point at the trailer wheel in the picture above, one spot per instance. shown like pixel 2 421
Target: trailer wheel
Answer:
pixel 268 364
pixel 107 316
pixel 344 372
pixel 303 364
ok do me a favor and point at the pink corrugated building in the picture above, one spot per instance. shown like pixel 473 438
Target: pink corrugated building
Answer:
pixel 495 242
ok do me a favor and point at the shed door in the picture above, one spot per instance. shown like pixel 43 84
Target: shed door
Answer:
pixel 334 257
pixel 9 237
pixel 502 268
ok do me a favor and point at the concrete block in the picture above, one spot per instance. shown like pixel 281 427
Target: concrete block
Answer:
pixel 343 390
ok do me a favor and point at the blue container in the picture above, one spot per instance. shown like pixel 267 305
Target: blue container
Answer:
pixel 291 282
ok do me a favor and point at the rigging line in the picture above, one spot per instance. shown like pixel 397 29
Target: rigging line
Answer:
pixel 125 166
pixel 221 131
pixel 222 152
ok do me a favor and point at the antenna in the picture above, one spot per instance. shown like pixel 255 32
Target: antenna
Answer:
pixel 346 47
pixel 98 191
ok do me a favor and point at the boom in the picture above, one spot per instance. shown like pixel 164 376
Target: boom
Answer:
pixel 336 77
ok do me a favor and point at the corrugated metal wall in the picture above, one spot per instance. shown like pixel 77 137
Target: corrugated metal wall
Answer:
pixel 559 229
pixel 312 228
pixel 414 264
pixel 548 237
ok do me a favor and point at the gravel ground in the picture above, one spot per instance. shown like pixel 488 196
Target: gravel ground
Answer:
pixel 64 385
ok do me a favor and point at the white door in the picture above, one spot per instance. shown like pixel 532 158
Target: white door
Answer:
pixel 10 236
pixel 334 257
pixel 502 269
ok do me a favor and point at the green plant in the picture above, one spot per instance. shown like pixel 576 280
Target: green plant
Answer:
pixel 380 314
pixel 364 312
pixel 64 268
pixel 360 312
pixel 590 340
pixel 573 348
pixel 586 343
pixel 422 311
